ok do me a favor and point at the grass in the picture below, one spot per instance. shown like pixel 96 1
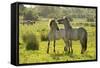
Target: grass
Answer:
pixel 40 56
pixel 31 41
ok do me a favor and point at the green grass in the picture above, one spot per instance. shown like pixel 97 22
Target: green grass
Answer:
pixel 40 56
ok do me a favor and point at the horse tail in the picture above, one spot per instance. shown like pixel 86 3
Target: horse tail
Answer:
pixel 83 40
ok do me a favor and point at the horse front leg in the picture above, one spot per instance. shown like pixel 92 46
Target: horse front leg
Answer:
pixel 54 45
pixel 70 44
pixel 66 45
pixel 66 48
pixel 48 46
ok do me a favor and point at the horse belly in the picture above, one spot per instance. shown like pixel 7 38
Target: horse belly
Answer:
pixel 58 36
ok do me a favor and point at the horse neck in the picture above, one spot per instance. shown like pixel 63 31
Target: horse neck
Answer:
pixel 67 26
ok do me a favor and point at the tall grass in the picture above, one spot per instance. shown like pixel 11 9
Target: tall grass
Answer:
pixel 31 41
pixel 44 36
pixel 37 34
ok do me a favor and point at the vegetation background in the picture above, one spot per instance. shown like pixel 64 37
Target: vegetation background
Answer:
pixel 33 37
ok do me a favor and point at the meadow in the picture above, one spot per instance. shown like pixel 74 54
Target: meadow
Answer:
pixel 40 55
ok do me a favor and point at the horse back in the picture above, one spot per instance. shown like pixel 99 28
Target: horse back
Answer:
pixel 56 34
pixel 77 33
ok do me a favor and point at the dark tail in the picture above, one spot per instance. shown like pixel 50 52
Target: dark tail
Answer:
pixel 85 42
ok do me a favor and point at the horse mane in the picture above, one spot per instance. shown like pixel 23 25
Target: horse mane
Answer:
pixel 51 21
pixel 68 22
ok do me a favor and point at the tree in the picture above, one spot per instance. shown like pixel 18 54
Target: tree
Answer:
pixel 28 15
pixel 21 9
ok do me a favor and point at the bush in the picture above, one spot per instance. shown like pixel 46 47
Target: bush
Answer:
pixel 86 24
pixel 92 24
pixel 30 16
pixel 44 36
pixel 31 41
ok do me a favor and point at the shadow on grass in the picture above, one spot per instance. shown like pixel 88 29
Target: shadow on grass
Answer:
pixel 87 54
pixel 59 56
pixel 65 56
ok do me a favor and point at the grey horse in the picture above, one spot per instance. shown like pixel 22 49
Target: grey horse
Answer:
pixel 74 34
pixel 55 33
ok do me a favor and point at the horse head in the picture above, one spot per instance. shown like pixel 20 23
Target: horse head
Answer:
pixel 63 20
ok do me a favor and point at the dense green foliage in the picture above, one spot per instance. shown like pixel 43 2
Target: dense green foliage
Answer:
pixel 57 12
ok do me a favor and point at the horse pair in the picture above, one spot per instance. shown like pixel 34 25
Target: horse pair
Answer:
pixel 67 34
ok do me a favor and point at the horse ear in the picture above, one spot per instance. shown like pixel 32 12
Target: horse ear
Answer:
pixel 66 18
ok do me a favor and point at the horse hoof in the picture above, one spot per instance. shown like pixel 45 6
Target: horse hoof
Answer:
pixel 47 52
pixel 65 49
pixel 54 51
pixel 72 52
pixel 68 52
pixel 81 52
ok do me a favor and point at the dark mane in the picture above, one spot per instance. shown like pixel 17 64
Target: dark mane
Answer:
pixel 51 22
pixel 68 22
pixel 54 24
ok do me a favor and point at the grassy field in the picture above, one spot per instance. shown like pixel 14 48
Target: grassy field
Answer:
pixel 40 56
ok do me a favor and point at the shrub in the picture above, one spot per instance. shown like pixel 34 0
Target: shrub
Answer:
pixel 44 36
pixel 92 24
pixel 31 41
pixel 90 19
pixel 86 24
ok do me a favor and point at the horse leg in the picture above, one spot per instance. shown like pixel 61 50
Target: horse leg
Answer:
pixel 82 46
pixel 54 45
pixel 48 46
pixel 70 44
pixel 65 47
